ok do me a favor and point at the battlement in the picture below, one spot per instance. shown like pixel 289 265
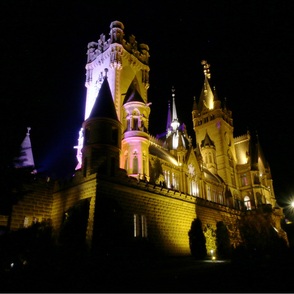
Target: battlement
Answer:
pixel 140 51
pixel 242 138
pixel 149 187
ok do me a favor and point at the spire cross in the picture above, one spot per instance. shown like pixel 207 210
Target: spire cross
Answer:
pixel 28 132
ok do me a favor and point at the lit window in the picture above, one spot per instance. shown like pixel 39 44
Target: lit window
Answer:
pixel 244 180
pixel 135 165
pixel 208 193
pixel 140 226
pixel 247 203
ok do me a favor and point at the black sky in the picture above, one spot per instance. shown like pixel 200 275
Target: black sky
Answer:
pixel 249 45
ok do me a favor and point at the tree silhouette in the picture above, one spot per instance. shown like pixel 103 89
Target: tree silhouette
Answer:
pixel 222 241
pixel 197 240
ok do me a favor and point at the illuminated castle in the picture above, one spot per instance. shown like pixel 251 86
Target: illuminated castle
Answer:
pixel 133 185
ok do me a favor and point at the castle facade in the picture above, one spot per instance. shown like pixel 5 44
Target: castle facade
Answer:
pixel 129 185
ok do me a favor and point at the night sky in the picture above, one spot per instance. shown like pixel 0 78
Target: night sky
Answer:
pixel 249 45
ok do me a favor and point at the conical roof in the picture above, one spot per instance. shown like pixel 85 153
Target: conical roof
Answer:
pixel 25 157
pixel 104 106
pixel 207 142
pixel 133 94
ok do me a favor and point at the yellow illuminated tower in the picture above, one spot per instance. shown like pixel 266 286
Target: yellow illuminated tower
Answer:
pixel 214 121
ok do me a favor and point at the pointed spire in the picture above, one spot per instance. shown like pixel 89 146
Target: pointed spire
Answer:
pixel 175 124
pixel 133 94
pixel 104 106
pixel 175 116
pixel 194 104
pixel 206 97
pixel 168 122
pixel 207 142
pixel 25 158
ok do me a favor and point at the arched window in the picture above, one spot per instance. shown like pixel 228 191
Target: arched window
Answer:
pixel 126 161
pixel 135 163
pixel 194 188
pixel 220 198
pixel 244 180
pixel 208 193
pixel 247 203
pixel 144 164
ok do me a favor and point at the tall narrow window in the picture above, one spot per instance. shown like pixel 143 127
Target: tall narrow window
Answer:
pixel 140 226
pixel 144 164
pixel 244 180
pixel 126 161
pixel 135 165
pixel 208 193
pixel 220 198
pixel 193 188
pixel 135 123
pixel 173 181
pixel 137 227
pixel 143 226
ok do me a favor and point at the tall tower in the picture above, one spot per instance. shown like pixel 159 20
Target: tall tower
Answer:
pixel 213 120
pixel 126 62
pixel 102 132
pixel 135 143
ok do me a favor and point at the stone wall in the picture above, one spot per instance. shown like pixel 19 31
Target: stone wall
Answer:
pixel 210 213
pixel 34 205
pixel 169 214
pixel 67 194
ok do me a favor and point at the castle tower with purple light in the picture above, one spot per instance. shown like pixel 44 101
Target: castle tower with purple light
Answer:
pixel 126 63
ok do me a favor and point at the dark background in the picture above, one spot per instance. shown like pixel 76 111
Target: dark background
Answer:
pixel 249 45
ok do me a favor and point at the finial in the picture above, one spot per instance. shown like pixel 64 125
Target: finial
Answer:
pixel 173 91
pixel 106 71
pixel 206 67
pixel 28 132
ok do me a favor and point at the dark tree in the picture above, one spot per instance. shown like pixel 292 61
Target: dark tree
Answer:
pixel 222 241
pixel 260 238
pixel 197 240
pixel 73 230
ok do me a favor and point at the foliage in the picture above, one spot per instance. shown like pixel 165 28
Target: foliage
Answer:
pixel 259 237
pixel 156 173
pixel 73 229
pixel 222 241
pixel 27 246
pixel 197 240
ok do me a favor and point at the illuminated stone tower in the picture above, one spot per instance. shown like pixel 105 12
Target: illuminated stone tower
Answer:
pixel 102 132
pixel 135 143
pixel 212 120
pixel 127 68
